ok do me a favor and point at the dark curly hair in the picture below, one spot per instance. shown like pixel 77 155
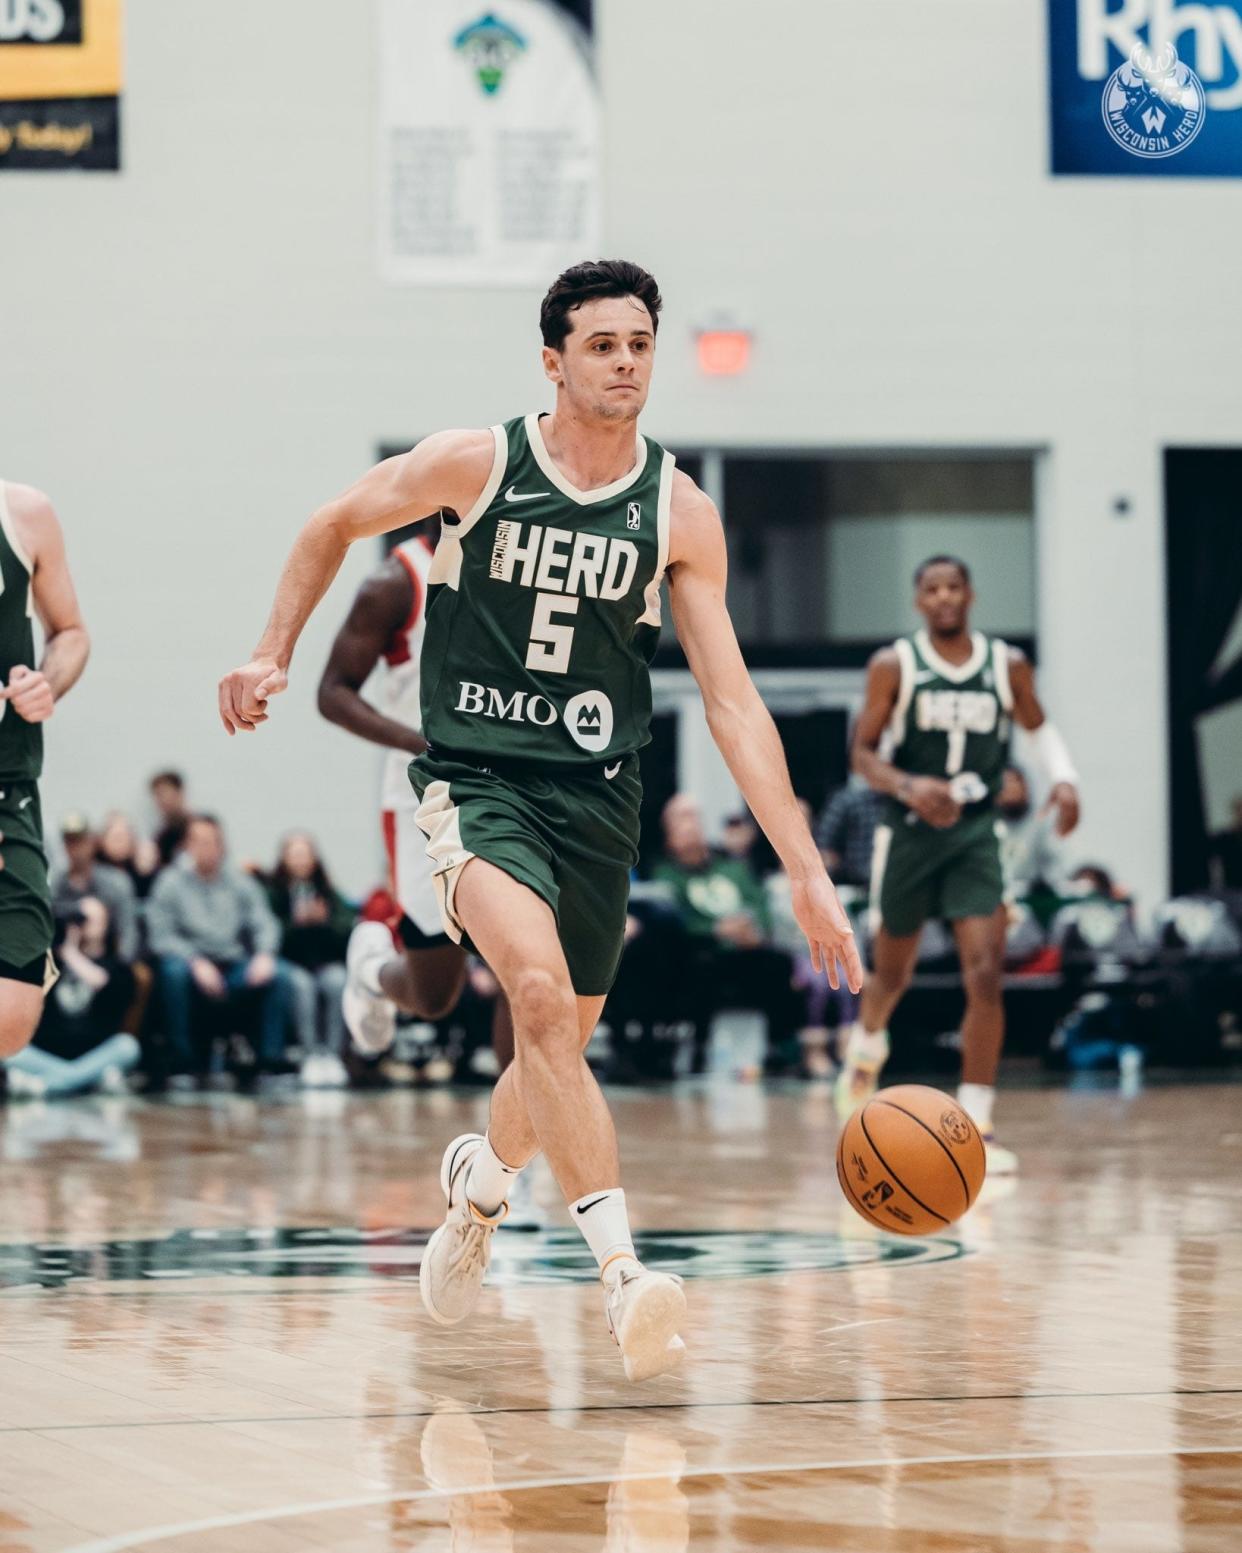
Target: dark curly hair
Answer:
pixel 588 282
pixel 943 560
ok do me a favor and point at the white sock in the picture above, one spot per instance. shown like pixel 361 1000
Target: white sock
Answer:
pixel 605 1226
pixel 490 1180
pixel 976 1101
pixel 369 972
pixel 866 1047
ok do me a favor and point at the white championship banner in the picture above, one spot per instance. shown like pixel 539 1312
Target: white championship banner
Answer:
pixel 489 143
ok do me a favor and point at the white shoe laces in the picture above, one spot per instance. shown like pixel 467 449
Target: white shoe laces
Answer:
pixel 470 1254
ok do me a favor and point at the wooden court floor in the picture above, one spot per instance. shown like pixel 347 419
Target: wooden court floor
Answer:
pixel 210 1338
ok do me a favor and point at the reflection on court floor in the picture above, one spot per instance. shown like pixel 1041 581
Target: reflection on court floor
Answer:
pixel 211 1339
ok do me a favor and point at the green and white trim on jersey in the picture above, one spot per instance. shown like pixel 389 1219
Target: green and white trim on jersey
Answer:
pixel 952 720
pixel 21 743
pixel 544 609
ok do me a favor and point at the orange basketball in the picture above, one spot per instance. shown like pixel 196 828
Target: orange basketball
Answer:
pixel 911 1160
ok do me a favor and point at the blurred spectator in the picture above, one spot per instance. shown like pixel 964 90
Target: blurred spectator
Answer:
pixel 642 1006
pixel 78 1045
pixel 173 815
pixel 822 1007
pixel 1093 882
pixel 216 939
pixel 85 875
pixel 846 832
pixel 740 837
pixel 718 897
pixel 120 847
pixel 315 925
pixel 724 910
pixel 1031 852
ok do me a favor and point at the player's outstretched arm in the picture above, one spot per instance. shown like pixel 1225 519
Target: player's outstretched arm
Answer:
pixel 929 797
pixel 33 693
pixel 380 609
pixel 743 728
pixel 448 469
pixel 1047 745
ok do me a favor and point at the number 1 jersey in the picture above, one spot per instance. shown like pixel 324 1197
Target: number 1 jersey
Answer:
pixel 543 609
pixel 952 720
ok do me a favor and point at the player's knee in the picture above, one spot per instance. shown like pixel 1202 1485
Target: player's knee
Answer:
pixel 983 979
pixel 891 981
pixel 542 1004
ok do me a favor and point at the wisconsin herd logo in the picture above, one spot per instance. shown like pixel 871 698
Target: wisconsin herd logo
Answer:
pixel 1154 105
pixel 337 1254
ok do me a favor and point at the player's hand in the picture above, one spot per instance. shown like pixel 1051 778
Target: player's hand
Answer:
pixel 207 977
pixel 244 694
pixel 829 935
pixel 260 970
pixel 29 694
pixel 931 800
pixel 1064 799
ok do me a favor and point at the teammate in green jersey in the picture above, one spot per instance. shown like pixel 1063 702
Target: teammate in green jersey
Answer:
pixel 944 699
pixel 34 576
pixel 544 607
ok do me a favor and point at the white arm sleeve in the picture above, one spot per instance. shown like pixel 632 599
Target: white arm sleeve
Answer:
pixel 1052 755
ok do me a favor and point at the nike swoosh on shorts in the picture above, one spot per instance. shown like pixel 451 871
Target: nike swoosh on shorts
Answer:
pixel 611 771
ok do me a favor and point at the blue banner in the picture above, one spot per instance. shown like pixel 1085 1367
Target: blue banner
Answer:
pixel 1146 88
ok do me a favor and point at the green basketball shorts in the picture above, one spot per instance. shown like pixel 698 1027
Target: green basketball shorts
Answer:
pixel 570 835
pixel 918 872
pixel 25 899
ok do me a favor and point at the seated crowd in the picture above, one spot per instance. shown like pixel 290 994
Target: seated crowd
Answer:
pixel 181 966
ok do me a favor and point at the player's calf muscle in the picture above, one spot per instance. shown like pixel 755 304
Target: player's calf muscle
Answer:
pixel 20 1007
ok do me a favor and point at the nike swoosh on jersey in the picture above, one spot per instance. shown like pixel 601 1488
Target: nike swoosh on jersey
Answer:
pixel 512 495
pixel 611 771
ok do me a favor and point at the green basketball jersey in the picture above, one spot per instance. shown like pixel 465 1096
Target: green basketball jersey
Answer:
pixel 953 720
pixel 543 609
pixel 21 743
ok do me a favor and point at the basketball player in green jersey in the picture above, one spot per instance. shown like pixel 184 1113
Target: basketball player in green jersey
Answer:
pixel 34 576
pixel 544 611
pixel 944 700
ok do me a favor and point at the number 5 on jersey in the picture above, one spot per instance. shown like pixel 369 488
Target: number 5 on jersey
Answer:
pixel 551 642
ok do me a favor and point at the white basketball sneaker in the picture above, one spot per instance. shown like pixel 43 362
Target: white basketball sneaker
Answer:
pixel 370 1017
pixel 859 1077
pixel 645 1310
pixel 457 1255
pixel 1001 1162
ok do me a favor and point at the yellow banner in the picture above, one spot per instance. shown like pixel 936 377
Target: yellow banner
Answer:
pixel 60 84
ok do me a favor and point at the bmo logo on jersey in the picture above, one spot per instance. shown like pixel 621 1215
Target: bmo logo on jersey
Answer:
pixel 588 717
pixel 955 711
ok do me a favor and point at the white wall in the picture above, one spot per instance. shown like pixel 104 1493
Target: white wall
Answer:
pixel 198 351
